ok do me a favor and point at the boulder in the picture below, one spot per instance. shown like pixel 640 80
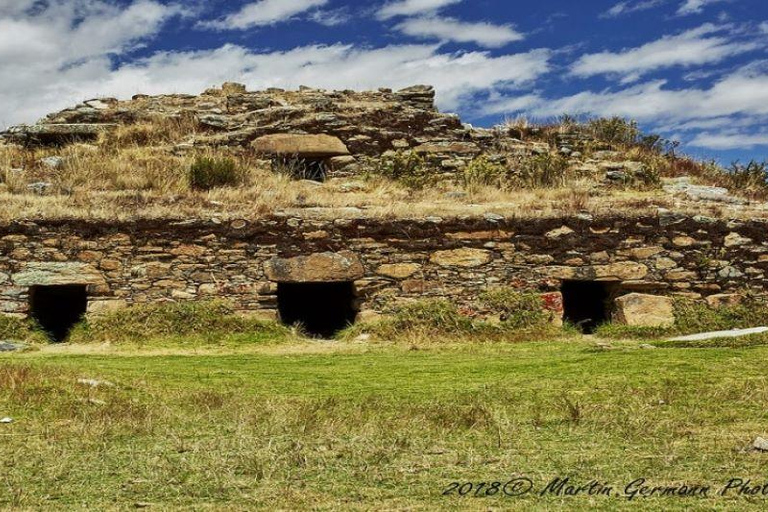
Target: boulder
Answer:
pixel 57 133
pixel 327 267
pixel 640 310
pixel 303 146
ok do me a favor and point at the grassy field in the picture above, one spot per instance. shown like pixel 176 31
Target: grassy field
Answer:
pixel 331 426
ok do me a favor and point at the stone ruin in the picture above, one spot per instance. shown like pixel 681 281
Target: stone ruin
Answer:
pixel 338 133
pixel 327 273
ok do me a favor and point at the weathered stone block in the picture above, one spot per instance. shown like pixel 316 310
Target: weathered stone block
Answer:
pixel 398 270
pixel 101 307
pixel 318 268
pixel 640 310
pixel 49 274
pixel 736 240
pixel 724 300
pixel 303 146
pixel 464 257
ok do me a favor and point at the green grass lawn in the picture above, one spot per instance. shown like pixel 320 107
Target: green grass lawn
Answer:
pixel 351 426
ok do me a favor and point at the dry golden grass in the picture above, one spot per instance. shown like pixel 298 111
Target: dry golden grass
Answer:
pixel 139 172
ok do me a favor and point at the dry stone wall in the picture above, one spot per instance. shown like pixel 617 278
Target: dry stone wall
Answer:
pixel 389 262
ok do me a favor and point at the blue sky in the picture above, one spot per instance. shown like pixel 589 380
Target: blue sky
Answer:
pixel 693 70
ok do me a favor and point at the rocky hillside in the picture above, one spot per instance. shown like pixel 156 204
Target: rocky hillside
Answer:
pixel 228 148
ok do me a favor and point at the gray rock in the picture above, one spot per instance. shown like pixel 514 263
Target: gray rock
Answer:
pixel 11 346
pixel 684 186
pixel 53 162
pixel 57 133
pixel 456 195
pixel 760 444
pixel 730 272
pixel 214 121
pixel 617 176
pixel 493 217
pixel 40 188
pixel 6 420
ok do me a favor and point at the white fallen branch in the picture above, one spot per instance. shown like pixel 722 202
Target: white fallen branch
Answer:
pixel 736 333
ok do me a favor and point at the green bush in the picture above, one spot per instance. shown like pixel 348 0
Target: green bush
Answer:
pixel 483 172
pixel 146 322
pixel 208 173
pixel 407 167
pixel 544 170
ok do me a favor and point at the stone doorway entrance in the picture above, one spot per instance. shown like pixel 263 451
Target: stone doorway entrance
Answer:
pixel 314 169
pixel 58 308
pixel 588 304
pixel 322 309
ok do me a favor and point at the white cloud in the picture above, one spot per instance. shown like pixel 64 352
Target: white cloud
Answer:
pixel 456 76
pixel 628 7
pixel 725 141
pixel 263 13
pixel 728 115
pixel 51 50
pixel 695 6
pixel 450 29
pixel 412 7
pixel 702 45
pixel 743 93
pixel 331 17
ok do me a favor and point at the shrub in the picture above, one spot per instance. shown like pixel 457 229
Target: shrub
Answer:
pixel 483 172
pixel 208 173
pixel 614 130
pixel 407 167
pixel 153 321
pixel 750 179
pixel 544 170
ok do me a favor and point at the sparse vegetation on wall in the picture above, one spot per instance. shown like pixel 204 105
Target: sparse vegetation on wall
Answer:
pixel 501 312
pixel 408 168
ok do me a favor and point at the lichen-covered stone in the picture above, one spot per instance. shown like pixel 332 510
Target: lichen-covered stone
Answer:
pixel 50 274
pixel 464 257
pixel 398 270
pixel 302 146
pixel 315 268
pixel 641 310
pixel 721 300
pixel 102 307
pixel 736 240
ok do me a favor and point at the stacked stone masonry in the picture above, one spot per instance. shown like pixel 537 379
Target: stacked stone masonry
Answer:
pixel 389 262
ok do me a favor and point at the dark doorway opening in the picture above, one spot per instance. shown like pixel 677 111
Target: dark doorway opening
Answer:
pixel 588 303
pixel 322 309
pixel 58 308
pixel 302 168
